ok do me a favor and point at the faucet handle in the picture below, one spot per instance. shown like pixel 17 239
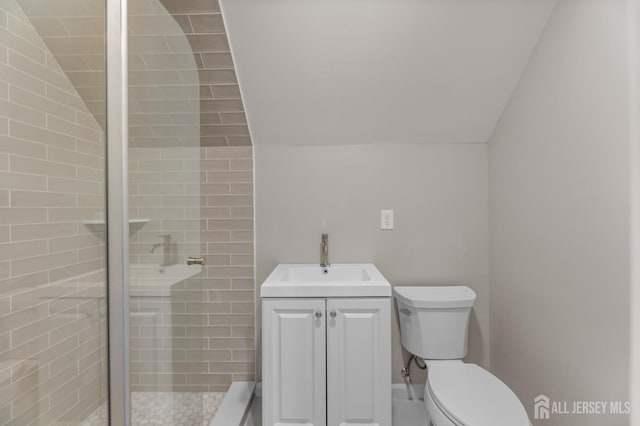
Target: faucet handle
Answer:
pixel 196 261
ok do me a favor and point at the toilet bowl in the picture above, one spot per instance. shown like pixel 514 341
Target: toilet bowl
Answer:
pixel 434 326
pixel 459 394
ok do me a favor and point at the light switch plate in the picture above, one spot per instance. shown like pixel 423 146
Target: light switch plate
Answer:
pixel 386 219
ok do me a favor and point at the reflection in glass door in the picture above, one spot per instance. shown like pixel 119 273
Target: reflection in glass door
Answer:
pixel 190 194
pixel 166 321
pixel 53 333
pixel 192 327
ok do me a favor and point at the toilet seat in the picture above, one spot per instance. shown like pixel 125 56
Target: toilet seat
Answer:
pixel 470 396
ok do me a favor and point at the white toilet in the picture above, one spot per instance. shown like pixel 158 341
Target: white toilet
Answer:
pixel 434 324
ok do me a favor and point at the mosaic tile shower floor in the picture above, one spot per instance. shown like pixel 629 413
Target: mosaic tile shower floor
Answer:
pixel 166 409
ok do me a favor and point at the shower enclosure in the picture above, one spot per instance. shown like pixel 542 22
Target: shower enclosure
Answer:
pixel 126 216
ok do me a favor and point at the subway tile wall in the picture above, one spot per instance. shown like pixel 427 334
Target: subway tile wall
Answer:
pixel 52 282
pixel 186 116
pixel 199 334
pixel 228 234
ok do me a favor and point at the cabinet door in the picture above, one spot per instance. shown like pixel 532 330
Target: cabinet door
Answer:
pixel 293 362
pixel 359 362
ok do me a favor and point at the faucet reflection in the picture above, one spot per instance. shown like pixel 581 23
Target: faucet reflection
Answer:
pixel 165 245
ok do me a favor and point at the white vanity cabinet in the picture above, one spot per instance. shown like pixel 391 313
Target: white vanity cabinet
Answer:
pixel 326 361
pixel 293 362
pixel 359 362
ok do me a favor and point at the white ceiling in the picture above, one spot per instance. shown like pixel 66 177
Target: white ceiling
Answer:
pixel 379 71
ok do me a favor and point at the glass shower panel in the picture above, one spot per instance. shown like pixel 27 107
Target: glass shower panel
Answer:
pixel 166 318
pixel 53 332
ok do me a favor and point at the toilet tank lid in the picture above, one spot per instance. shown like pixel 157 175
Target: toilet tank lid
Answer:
pixel 435 296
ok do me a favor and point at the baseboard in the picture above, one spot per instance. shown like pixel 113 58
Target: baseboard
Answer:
pixel 401 391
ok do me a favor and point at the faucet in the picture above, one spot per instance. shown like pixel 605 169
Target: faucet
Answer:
pixel 165 245
pixel 324 254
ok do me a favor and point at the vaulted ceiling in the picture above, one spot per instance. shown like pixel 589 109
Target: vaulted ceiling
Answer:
pixel 380 71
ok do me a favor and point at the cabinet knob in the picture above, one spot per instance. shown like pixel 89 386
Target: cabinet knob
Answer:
pixel 318 314
pixel 332 314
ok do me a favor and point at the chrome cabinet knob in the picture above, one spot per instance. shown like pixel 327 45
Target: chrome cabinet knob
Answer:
pixel 318 314
pixel 332 314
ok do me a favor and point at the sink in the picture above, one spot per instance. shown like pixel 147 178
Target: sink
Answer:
pixel 339 280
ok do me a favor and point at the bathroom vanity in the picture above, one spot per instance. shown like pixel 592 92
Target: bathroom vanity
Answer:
pixel 326 346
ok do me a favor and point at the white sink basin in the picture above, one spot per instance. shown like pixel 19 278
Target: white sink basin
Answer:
pixel 340 280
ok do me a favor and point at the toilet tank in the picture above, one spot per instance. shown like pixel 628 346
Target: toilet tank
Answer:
pixel 434 321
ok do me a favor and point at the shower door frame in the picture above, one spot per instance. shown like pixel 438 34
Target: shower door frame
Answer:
pixel 117 220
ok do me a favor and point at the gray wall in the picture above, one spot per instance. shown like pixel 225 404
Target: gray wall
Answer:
pixel 559 216
pixel 438 192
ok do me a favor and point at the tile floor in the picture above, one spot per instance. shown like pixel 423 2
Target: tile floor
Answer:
pixel 166 409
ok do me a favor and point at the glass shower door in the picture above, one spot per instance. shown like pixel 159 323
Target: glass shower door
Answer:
pixel 165 287
pixel 53 325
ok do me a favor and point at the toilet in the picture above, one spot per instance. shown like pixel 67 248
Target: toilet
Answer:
pixel 434 325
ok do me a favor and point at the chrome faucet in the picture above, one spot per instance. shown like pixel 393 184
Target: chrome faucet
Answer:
pixel 324 254
pixel 165 245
